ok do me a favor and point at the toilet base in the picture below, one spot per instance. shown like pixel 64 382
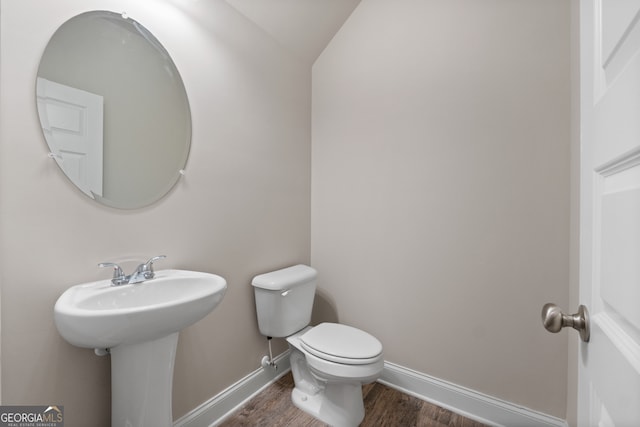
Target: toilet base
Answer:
pixel 339 404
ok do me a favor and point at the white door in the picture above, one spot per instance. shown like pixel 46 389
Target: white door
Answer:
pixel 72 122
pixel 609 365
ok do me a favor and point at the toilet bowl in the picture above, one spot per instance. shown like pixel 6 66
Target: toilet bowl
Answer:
pixel 330 362
pixel 328 377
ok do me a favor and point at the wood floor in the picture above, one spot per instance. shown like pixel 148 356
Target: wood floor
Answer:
pixel 383 406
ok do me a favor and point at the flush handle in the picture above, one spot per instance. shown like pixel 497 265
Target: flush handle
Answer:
pixel 554 320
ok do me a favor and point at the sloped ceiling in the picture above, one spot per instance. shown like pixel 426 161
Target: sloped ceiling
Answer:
pixel 305 27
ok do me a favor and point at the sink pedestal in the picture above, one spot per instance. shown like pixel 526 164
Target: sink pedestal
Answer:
pixel 141 383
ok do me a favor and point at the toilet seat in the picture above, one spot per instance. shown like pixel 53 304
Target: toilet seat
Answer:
pixel 342 344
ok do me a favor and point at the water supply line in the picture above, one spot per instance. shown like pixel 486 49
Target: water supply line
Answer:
pixel 267 361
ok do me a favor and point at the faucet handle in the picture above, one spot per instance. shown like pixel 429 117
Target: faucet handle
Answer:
pixel 118 274
pixel 147 267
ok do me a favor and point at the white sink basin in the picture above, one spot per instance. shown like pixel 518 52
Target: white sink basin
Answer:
pixel 98 315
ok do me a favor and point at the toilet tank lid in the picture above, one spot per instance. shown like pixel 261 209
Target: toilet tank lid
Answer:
pixel 285 278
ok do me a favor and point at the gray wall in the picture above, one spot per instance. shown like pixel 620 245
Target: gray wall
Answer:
pixel 242 208
pixel 440 188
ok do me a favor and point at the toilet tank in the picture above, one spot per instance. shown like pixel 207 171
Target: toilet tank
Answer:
pixel 284 300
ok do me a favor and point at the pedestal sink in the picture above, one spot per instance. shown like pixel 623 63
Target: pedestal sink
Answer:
pixel 139 325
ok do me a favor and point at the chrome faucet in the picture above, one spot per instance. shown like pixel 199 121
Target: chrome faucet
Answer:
pixel 118 275
pixel 143 272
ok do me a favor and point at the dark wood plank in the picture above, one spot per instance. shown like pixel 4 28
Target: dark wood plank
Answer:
pixel 383 405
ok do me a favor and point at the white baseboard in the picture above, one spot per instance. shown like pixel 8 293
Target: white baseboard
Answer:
pixel 215 410
pixel 463 401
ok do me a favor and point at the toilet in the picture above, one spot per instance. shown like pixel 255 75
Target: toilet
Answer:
pixel 330 362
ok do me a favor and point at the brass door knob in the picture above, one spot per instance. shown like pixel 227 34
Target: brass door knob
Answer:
pixel 554 320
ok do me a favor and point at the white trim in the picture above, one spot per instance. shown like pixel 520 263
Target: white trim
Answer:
pixel 621 163
pixel 463 401
pixel 219 407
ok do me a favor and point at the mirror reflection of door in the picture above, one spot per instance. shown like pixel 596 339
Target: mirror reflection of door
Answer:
pixel 72 121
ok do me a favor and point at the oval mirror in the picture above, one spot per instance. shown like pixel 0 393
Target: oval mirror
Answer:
pixel 113 109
